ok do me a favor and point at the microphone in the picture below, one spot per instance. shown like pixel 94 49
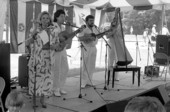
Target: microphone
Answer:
pixel 51 26
pixel 69 24
pixel 83 26
pixel 96 27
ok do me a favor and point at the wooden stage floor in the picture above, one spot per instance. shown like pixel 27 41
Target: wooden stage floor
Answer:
pixel 98 96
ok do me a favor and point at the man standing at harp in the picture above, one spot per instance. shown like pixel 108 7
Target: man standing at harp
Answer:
pixel 89 40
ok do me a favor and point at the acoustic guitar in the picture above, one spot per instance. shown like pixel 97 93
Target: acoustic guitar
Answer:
pixel 65 38
pixel 92 36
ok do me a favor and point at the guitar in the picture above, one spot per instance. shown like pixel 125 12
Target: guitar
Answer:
pixel 92 37
pixel 65 38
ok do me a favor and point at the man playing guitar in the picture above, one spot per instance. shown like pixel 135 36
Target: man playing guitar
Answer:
pixel 89 41
pixel 59 42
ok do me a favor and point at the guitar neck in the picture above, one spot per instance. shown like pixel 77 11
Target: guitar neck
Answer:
pixel 101 34
pixel 72 34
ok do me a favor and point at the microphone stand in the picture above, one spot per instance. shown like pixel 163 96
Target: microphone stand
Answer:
pixel 106 69
pixel 81 70
pixel 27 39
pixel 34 89
pixel 137 50
pixel 149 45
pixel 148 55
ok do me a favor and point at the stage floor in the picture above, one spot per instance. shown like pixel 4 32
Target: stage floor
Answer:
pixel 98 96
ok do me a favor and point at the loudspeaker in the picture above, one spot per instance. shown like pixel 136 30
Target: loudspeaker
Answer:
pixel 119 106
pixel 5 68
pixel 151 71
pixel 23 71
pixel 163 44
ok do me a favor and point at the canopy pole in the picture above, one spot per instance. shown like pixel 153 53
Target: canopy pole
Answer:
pixel 7 21
pixel 163 16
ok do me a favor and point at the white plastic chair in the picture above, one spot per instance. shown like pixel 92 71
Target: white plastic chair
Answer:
pixel 2 86
pixel 162 56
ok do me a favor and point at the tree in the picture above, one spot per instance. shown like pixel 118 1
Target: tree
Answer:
pixel 141 20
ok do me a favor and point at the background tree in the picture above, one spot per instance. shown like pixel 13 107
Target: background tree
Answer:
pixel 141 19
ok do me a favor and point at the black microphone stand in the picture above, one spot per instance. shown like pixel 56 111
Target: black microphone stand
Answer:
pixel 137 51
pixel 106 69
pixel 149 45
pixel 81 71
pixel 34 89
pixel 106 54
pixel 148 55
pixel 107 73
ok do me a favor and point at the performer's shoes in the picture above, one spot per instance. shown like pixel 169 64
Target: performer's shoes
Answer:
pixel 63 92
pixel 83 86
pixel 117 79
pixel 90 85
pixel 43 102
pixel 57 93
pixel 44 106
pixel 86 85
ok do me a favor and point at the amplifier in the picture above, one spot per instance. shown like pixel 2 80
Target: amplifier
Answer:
pixel 163 44
pixel 151 71
pixel 23 71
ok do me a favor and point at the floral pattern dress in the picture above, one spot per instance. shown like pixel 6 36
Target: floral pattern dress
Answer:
pixel 40 68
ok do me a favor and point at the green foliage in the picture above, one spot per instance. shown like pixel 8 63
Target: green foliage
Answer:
pixel 141 20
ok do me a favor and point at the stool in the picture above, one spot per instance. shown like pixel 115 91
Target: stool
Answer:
pixel 121 69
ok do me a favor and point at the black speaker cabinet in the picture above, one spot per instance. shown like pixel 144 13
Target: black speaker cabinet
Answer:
pixel 163 44
pixel 151 71
pixel 23 71
pixel 5 68
pixel 119 106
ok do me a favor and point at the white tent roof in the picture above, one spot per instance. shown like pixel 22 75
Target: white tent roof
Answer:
pixel 124 4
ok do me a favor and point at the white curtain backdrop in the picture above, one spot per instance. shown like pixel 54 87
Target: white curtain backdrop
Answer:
pixel 3 9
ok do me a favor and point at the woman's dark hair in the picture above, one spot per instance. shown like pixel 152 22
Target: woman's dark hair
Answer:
pixel 89 17
pixel 57 14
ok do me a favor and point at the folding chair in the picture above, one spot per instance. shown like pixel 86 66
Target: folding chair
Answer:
pixel 2 86
pixel 162 59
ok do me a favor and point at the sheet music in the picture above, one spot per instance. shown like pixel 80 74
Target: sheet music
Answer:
pixel 44 36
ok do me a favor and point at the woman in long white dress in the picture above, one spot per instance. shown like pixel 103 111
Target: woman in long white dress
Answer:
pixel 40 62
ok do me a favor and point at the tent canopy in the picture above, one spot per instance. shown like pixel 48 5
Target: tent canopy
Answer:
pixel 123 4
pixel 103 4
